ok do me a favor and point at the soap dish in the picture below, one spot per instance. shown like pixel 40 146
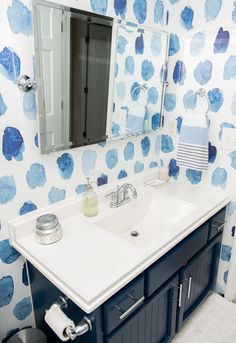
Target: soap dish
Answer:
pixel 156 183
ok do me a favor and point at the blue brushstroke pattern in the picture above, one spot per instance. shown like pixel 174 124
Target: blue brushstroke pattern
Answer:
pixel 230 68
pixel 159 12
pixel 65 165
pixel 202 72
pixel 121 90
pixel 55 194
pixel 120 7
pixel 231 207
pixel 28 206
pixel 156 121
pixel 129 65
pixel 23 309
pixel 179 74
pixel 166 144
pixel 212 9
pixel 139 45
pixel 29 105
pixel 25 279
pixel 3 106
pixel 122 174
pixel 173 169
pixel 19 18
pixel 89 159
pixel 233 231
pixel 10 64
pixel 221 42
pixel 156 44
pixel 194 176
pixel 121 44
pixel 140 10
pixel 147 70
pixel 102 144
pixel 7 189
pixel 152 95
pixel 219 177
pixel 8 254
pixel 198 43
pixel 173 1
pixel 190 100
pixel 129 151
pixel 12 144
pixel 232 155
pixel 115 129
pixel 153 164
pixel 111 158
pixel 99 6
pixel 225 253
pixel 36 176
pixel 138 167
pixel 135 91
pixel 145 145
pixel 169 101
pixel 6 290
pixel 174 46
pixel 225 277
pixel 36 140
pixel 212 153
pixel 102 180
pixel 187 18
pixel 216 99
pixel 179 124
pixel 81 188
pixel 233 106
pixel 225 124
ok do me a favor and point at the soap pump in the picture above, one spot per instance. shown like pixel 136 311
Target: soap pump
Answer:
pixel 90 203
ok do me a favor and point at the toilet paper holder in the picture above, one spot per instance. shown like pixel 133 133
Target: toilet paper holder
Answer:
pixel 83 326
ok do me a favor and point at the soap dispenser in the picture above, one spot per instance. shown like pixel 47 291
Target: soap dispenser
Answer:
pixel 90 203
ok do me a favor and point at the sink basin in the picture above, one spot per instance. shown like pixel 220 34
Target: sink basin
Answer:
pixel 151 215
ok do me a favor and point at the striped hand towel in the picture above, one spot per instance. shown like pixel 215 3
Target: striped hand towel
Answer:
pixel 192 150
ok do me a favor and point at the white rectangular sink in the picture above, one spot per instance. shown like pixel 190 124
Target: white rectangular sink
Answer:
pixel 151 215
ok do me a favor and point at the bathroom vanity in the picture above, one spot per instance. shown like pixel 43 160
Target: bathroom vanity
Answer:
pixel 132 291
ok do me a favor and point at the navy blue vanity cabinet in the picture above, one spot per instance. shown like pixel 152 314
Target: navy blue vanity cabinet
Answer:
pixel 154 322
pixel 197 279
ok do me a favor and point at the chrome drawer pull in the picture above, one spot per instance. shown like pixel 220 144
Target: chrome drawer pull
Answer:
pixel 220 223
pixel 189 287
pixel 130 309
pixel 180 294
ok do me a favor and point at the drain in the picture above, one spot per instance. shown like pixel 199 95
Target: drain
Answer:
pixel 134 233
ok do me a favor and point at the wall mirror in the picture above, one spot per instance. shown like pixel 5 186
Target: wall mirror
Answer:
pixel 98 78
pixel 73 69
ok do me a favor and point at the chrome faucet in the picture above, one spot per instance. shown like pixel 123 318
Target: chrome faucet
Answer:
pixel 121 195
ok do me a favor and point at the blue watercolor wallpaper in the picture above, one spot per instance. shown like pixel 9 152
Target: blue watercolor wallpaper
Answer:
pixel 201 54
pixel 29 180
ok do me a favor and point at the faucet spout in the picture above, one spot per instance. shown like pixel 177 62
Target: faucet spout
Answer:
pixel 121 195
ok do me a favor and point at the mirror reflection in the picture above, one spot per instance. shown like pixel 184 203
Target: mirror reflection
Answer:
pixel 140 80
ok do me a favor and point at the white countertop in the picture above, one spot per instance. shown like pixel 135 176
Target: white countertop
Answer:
pixel 90 264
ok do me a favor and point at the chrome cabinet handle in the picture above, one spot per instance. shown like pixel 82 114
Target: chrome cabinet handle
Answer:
pixel 130 309
pixel 189 287
pixel 180 295
pixel 220 223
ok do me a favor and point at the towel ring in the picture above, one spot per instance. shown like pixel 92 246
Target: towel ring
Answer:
pixel 143 87
pixel 202 94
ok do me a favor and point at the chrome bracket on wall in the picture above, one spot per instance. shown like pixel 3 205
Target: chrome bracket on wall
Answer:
pixel 25 83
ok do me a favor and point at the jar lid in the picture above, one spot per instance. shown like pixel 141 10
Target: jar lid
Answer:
pixel 46 221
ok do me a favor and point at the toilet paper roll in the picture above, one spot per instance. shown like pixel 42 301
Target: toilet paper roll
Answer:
pixel 58 322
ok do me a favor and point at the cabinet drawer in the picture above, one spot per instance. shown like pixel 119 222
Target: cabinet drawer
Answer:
pixel 167 265
pixel 217 223
pixel 121 305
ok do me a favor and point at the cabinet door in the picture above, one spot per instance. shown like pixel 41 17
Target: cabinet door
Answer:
pixel 155 322
pixel 197 279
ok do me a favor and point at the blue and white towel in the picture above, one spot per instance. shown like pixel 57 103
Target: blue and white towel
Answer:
pixel 192 150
